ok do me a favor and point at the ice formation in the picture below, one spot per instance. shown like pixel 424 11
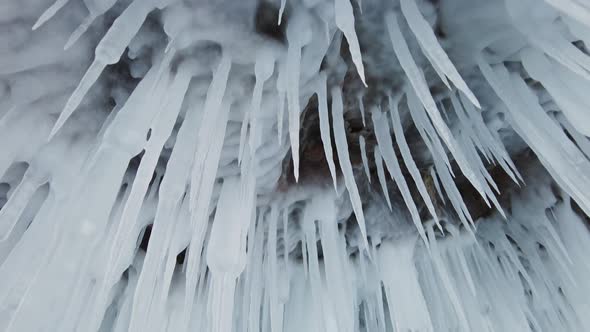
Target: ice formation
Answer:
pixel 294 165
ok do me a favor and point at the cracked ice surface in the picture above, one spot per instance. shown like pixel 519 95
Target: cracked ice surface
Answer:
pixel 294 165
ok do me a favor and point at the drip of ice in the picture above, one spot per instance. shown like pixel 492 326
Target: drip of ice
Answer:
pixel 407 306
pixel 49 13
pixel 543 135
pixel 205 164
pixel 571 104
pixel 344 17
pixel 381 175
pixel 96 8
pixel 432 48
pixel 385 145
pixel 263 69
pixel 365 160
pixel 408 159
pixel 226 256
pixel 107 52
pixel 344 160
pixel 325 126
pixel 298 35
pixel 416 78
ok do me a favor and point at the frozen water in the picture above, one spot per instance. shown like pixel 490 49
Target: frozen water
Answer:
pixel 148 181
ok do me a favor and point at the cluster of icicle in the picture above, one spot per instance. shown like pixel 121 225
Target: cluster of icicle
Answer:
pixel 76 266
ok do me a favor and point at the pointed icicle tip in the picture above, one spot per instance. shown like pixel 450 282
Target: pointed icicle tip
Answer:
pixel 76 98
pixel 281 11
pixel 345 22
pixel 49 13
pixel 80 30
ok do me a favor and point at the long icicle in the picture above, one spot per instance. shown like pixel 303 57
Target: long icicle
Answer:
pixel 409 160
pixel 344 159
pixel 108 51
pixel 416 78
pixel 49 13
pixel 325 125
pixel 207 154
pixel 344 16
pixel 385 145
pixel 430 46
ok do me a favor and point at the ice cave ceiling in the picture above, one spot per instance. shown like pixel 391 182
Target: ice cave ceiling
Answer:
pixel 294 165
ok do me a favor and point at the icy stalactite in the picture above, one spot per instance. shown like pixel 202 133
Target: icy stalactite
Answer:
pixel 325 126
pixel 344 159
pixel 365 159
pixel 408 159
pixel 381 175
pixel 432 48
pixel 162 199
pixel 385 145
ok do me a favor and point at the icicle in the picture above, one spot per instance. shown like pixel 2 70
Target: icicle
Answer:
pixel 161 129
pixel 572 8
pixel 299 34
pixel 311 213
pixel 363 147
pixel 226 254
pixel 466 127
pixel 343 158
pixel 434 178
pixel 381 176
pixel 286 242
pixel 282 10
pixel 430 46
pixel 108 51
pixel 334 267
pixel 450 188
pixel 408 159
pixel 581 141
pixel 440 267
pixel 557 153
pixel 540 33
pixel 416 78
pixel 325 125
pixel 281 91
pixel 492 141
pixel 574 107
pixel 345 22
pixel 263 69
pixel 80 30
pixel 406 303
pixel 255 294
pixel 200 213
pixel 385 145
pixel 276 307
pixel 210 118
pixel 17 202
pixel 207 155
pixel 49 13
pixel 362 108
pixel 96 8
